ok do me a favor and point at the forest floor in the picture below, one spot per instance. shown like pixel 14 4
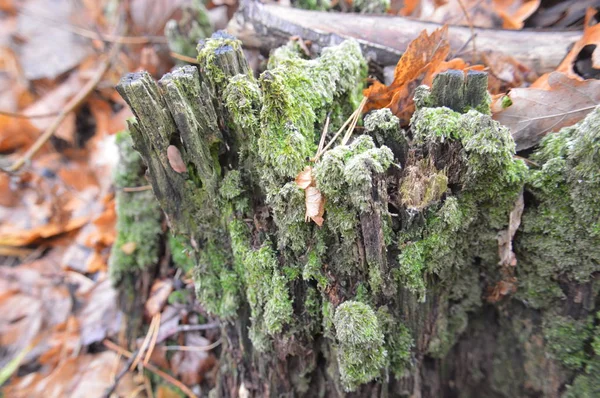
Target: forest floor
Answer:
pixel 62 332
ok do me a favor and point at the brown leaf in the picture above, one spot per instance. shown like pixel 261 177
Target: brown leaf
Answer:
pixel 315 205
pixel 507 14
pixel 159 293
pixel 533 112
pixel 175 159
pixel 583 61
pixel 305 179
pixel 190 366
pixel 423 59
pixel 128 248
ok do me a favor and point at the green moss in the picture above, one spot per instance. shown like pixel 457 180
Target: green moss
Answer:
pixel 398 342
pixel 345 173
pixel 231 186
pixel 217 287
pixel 313 269
pixel 182 254
pixel 139 217
pixel 566 339
pixel 268 295
pixel 559 229
pixel 361 352
pixel 296 94
pixel 208 51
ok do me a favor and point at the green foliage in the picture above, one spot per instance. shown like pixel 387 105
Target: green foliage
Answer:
pixel 361 352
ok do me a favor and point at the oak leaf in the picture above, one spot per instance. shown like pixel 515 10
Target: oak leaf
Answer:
pixel 532 112
pixel 423 59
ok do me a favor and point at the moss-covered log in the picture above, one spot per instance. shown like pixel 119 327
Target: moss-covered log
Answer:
pixel 444 266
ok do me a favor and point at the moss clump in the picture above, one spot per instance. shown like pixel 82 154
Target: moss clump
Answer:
pixel 231 186
pixel 268 295
pixel 490 180
pixel 217 286
pixel 139 216
pixel 398 342
pixel 297 93
pixel 361 352
pixel 566 339
pixel 344 175
pixel 560 228
pixel 183 255
pixel 209 50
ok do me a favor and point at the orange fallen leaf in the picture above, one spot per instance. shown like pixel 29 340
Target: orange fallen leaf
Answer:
pixel 583 61
pixel 423 59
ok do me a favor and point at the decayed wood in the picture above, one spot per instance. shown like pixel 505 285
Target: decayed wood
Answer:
pixel 383 38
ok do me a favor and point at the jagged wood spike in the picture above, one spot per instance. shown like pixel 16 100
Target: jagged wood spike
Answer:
pixel 152 132
pixel 196 121
pixel 459 92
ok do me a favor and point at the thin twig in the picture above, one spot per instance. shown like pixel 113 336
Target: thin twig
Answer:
pixel 185 58
pixel 137 189
pixel 119 376
pixel 145 343
pixel 25 116
pixel 323 136
pixel 90 34
pixel 354 121
pixel 153 340
pixel 337 134
pixel 194 328
pixel 471 28
pixel 112 346
pixel 71 105
pixel 193 348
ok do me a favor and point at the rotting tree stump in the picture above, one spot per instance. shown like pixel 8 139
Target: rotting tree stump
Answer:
pixel 444 266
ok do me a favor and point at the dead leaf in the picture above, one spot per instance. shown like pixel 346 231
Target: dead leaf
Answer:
pixel 531 113
pixel 190 366
pixel 506 14
pixel 315 205
pixel 583 61
pixel 505 237
pixel 175 159
pixel 423 59
pixel 159 293
pixel 128 248
pixel 83 376
pixel 304 179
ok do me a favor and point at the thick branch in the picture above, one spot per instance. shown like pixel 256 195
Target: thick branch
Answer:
pixel 383 38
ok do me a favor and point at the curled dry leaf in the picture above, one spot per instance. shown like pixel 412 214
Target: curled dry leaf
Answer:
pixel 314 200
pixel 304 179
pixel 175 159
pixel 315 205
pixel 159 293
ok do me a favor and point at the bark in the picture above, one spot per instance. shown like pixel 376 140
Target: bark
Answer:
pixel 410 286
pixel 383 38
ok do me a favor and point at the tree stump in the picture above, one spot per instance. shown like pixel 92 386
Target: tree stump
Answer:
pixel 444 266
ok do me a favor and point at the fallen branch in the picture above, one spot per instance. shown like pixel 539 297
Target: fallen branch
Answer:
pixel 70 107
pixel 167 377
pixel 383 38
